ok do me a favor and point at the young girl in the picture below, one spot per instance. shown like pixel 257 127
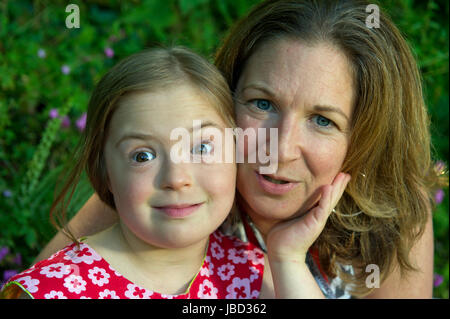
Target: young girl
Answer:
pixel 165 244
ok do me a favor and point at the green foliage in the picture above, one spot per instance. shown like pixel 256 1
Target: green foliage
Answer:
pixel 36 47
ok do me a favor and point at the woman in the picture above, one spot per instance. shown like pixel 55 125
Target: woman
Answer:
pixel 345 98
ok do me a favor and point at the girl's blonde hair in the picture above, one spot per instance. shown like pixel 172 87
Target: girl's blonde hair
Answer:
pixel 386 204
pixel 150 70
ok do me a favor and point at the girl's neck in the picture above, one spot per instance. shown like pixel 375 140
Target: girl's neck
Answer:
pixel 147 255
pixel 167 271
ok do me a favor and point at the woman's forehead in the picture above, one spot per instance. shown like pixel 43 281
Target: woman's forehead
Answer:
pixel 291 69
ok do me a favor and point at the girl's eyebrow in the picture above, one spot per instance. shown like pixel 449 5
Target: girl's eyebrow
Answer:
pixel 145 136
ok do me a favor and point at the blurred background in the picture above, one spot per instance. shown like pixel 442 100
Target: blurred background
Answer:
pixel 48 71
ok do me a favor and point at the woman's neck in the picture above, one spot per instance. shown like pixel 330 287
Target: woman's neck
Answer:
pixel 263 225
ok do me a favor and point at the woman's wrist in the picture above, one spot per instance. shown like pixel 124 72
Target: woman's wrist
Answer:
pixel 292 279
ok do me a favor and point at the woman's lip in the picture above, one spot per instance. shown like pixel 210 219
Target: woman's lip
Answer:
pixel 179 211
pixel 272 188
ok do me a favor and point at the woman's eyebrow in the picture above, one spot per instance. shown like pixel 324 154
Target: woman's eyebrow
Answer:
pixel 328 108
pixel 319 108
pixel 259 87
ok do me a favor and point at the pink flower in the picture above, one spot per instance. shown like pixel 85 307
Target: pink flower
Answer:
pixel 53 113
pixel 439 196
pixel 438 279
pixel 81 122
pixel 109 52
pixel 65 69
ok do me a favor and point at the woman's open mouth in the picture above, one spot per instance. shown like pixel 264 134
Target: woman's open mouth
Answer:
pixel 275 186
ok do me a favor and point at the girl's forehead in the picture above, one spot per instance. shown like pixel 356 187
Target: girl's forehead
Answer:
pixel 163 110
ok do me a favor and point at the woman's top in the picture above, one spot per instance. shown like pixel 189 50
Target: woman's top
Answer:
pixel 231 269
pixel 241 226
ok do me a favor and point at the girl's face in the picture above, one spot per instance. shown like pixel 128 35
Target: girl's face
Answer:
pixel 307 93
pixel 163 203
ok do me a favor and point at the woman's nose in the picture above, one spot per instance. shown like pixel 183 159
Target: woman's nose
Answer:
pixel 289 139
pixel 175 176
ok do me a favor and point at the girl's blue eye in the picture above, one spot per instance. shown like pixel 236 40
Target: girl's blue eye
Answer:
pixel 322 121
pixel 262 104
pixel 143 156
pixel 202 149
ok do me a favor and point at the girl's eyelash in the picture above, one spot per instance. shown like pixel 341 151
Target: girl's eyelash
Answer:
pixel 136 152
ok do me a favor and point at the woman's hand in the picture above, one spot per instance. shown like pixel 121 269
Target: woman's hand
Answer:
pixel 290 240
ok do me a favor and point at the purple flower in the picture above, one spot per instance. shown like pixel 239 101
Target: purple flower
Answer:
pixel 18 259
pixel 3 252
pixel 109 52
pixel 7 193
pixel 65 69
pixel 65 121
pixel 81 122
pixel 440 167
pixel 438 279
pixel 53 113
pixel 41 53
pixel 439 196
pixel 9 273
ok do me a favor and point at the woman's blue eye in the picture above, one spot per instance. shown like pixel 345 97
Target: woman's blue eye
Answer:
pixel 322 121
pixel 203 149
pixel 143 156
pixel 262 104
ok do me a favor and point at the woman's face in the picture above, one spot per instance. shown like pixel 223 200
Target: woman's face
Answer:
pixel 307 93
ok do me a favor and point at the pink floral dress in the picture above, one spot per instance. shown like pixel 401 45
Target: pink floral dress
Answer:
pixel 231 269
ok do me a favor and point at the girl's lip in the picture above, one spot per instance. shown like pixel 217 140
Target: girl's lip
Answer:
pixel 272 188
pixel 179 211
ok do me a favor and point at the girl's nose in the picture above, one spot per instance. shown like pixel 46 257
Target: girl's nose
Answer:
pixel 175 176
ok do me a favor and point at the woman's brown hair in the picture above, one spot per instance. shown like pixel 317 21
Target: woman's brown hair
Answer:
pixel 386 205
pixel 150 70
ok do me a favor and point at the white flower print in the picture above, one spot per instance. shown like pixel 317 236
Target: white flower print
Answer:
pixel 255 273
pixel 217 251
pixel 218 236
pixel 57 270
pixel 256 256
pixel 207 268
pixel 225 271
pixel 29 283
pixel 136 292
pixel 115 272
pixel 239 289
pixel 237 256
pixel 255 294
pixel 55 295
pixel 75 284
pixel 84 254
pixel 206 290
pixel 99 276
pixel 108 294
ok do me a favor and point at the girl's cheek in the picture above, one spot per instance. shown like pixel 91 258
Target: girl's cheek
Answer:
pixel 218 179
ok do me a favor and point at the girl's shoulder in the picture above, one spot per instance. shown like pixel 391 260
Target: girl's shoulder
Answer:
pixel 61 276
